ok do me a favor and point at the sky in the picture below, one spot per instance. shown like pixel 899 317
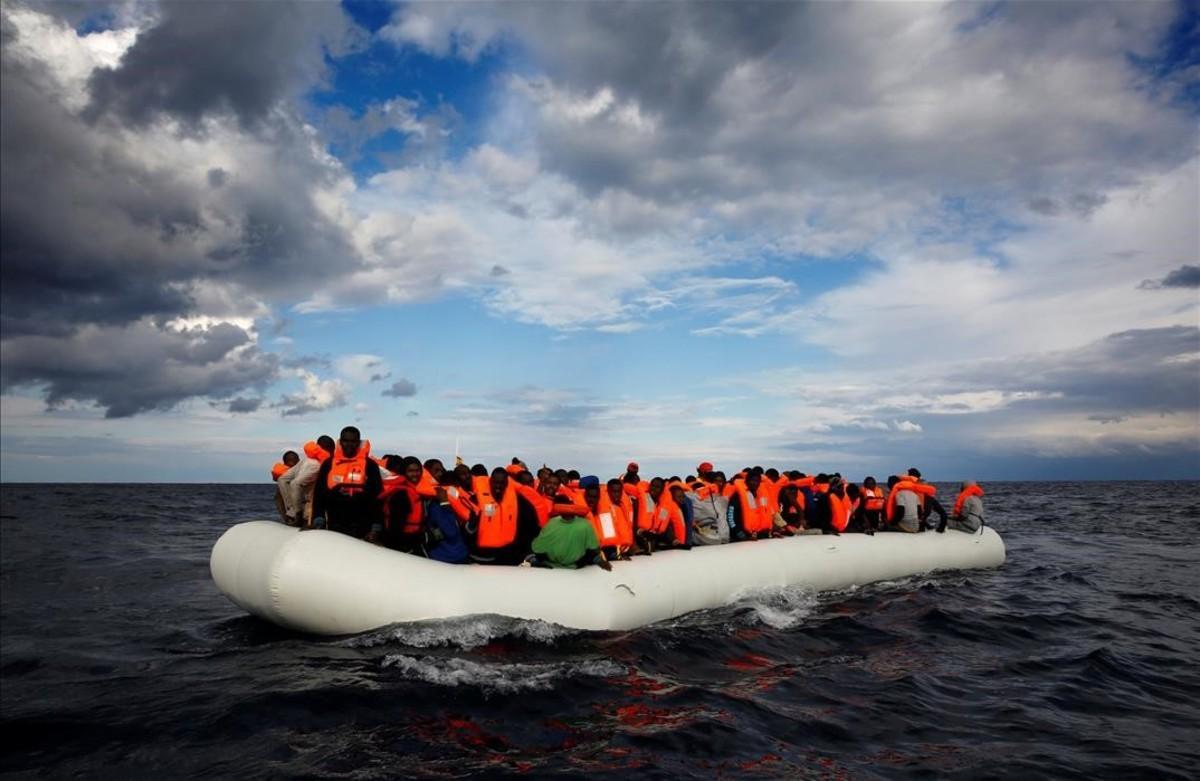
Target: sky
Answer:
pixel 850 237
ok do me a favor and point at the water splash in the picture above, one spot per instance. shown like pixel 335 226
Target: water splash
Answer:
pixel 778 607
pixel 499 678
pixel 466 633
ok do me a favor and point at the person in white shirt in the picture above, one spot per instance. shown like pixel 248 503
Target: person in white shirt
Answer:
pixel 296 484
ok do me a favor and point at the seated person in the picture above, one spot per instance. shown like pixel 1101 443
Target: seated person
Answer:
pixel 870 507
pixel 791 509
pixel 567 541
pixel 710 505
pixel 443 519
pixel 659 520
pixel 279 469
pixel 967 515
pixel 682 528
pixel 346 495
pixel 859 521
pixel 505 523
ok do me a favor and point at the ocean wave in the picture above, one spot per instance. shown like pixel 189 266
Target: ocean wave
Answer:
pixel 499 678
pixel 777 607
pixel 466 633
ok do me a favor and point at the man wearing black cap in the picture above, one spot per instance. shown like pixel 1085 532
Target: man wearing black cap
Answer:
pixel 930 505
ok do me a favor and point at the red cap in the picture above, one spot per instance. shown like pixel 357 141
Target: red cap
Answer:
pixel 704 468
pixel 631 467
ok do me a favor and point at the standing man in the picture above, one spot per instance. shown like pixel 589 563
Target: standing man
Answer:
pixel 348 485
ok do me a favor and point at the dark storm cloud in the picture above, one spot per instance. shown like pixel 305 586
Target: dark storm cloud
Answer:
pixel 109 234
pixel 244 404
pixel 741 97
pixel 307 362
pixel 563 415
pixel 93 234
pixel 401 389
pixel 137 368
pixel 534 405
pixel 426 130
pixel 222 57
pixel 1080 204
pixel 1185 276
pixel 1145 370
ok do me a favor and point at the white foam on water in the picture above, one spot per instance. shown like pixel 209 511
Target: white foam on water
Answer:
pixel 779 607
pixel 502 678
pixel 465 633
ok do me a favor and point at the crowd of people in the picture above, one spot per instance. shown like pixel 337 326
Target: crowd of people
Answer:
pixel 558 518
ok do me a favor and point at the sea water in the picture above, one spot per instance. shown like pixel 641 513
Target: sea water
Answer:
pixel 1077 658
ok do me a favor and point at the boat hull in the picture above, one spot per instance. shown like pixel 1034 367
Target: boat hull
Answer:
pixel 326 583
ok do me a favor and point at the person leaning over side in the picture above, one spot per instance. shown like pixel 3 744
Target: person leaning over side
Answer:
pixel 348 485
pixel 287 461
pixel 296 485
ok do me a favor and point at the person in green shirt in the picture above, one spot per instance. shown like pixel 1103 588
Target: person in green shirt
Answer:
pixel 567 541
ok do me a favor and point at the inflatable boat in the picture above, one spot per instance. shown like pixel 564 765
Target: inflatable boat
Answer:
pixel 326 583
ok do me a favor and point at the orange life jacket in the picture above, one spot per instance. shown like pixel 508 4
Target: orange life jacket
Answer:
pixel 315 452
pixel 839 512
pixel 670 513
pixel 546 507
pixel 971 490
pixel 626 506
pixel 497 518
pixel 756 513
pixel 426 488
pixel 460 503
pixel 873 498
pixel 278 469
pixel 647 512
pixel 349 473
pixel 920 489
pixel 609 523
pixel 771 489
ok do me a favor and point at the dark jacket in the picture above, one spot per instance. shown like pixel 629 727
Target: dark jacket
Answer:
pixel 443 536
pixel 349 513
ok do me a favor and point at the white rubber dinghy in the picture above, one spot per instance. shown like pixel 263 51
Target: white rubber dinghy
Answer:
pixel 326 583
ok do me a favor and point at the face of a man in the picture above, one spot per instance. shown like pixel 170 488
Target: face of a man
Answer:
pixel 719 481
pixel 614 494
pixel 752 482
pixel 499 483
pixel 413 473
pixel 591 496
pixel 436 470
pixel 350 444
pixel 551 485
pixel 656 489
